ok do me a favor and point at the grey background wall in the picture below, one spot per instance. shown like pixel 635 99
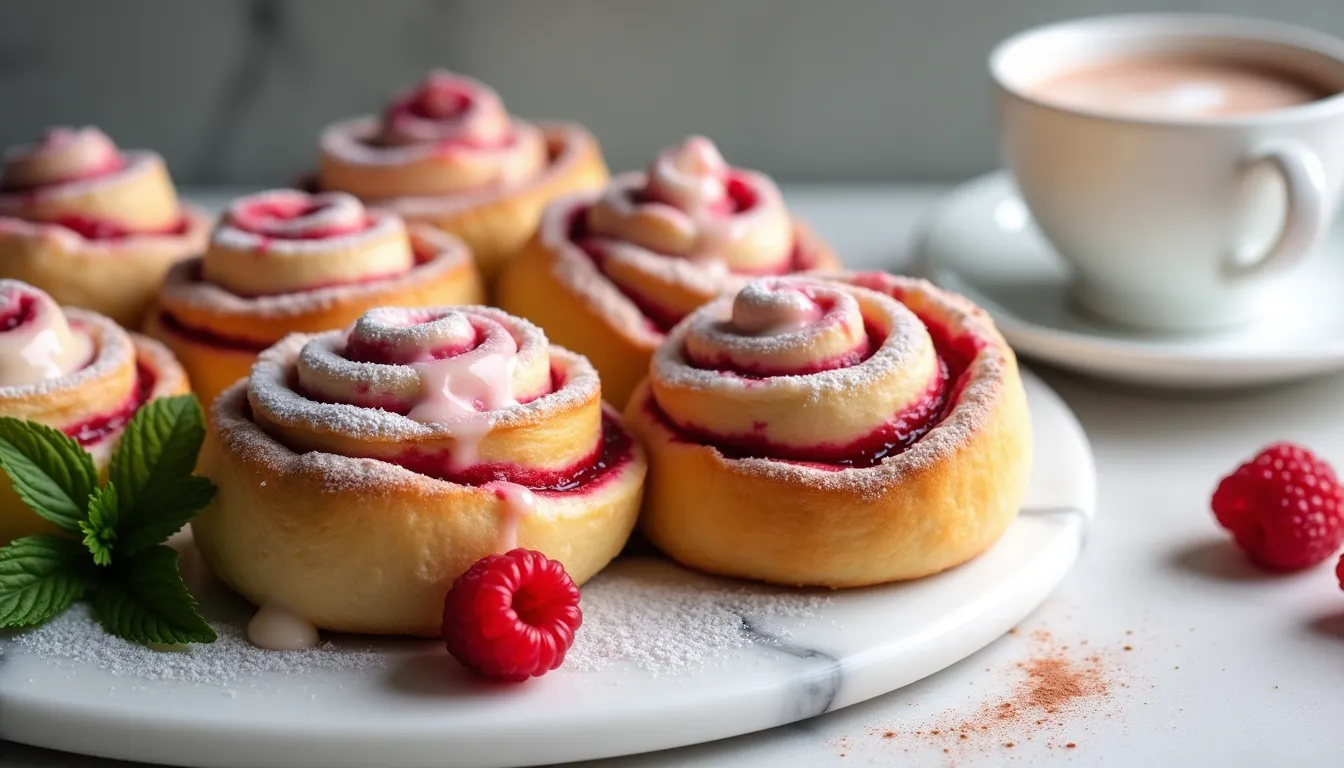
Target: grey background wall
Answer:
pixel 234 91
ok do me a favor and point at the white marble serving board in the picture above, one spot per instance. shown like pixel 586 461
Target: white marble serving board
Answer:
pixel 422 709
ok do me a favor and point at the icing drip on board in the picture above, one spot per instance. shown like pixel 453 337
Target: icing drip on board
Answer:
pixel 276 627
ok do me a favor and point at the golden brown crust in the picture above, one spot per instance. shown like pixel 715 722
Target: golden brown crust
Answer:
pixel 561 290
pixel 116 278
pixel 359 545
pixel 254 324
pixel 496 227
pixel 937 505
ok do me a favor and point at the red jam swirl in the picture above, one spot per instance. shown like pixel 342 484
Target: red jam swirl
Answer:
pixel 448 110
pixel 97 428
pixel 298 216
pixel 612 453
pixel 891 439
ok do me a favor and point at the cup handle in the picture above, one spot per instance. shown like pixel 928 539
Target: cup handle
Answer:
pixel 1306 212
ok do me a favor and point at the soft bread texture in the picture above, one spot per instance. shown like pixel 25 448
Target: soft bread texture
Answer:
pixel 939 503
pixel 557 286
pixel 80 175
pixel 116 278
pixel 496 222
pixel 308 513
pixel 257 322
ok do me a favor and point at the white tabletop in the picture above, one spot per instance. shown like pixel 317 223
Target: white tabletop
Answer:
pixel 1204 660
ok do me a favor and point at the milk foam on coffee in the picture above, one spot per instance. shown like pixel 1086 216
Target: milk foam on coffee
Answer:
pixel 1174 87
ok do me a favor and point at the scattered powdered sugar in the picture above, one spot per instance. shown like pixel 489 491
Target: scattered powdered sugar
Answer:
pixel 664 620
pixel 643 612
pixel 76 638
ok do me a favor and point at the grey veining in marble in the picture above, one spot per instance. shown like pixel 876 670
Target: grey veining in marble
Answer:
pixel 234 91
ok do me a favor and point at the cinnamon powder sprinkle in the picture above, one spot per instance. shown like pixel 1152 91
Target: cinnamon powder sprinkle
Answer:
pixel 1055 690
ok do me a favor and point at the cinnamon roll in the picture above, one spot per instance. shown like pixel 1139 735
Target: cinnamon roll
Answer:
pixel 448 153
pixel 841 432
pixel 76 371
pixel 610 272
pixel 94 226
pixel 285 262
pixel 360 472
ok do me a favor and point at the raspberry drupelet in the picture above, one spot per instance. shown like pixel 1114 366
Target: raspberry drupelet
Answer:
pixel 512 616
pixel 1284 508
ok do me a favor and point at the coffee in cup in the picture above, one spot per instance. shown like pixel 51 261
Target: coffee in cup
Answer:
pixel 1179 163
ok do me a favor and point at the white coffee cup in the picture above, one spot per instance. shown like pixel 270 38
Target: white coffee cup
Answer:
pixel 1174 223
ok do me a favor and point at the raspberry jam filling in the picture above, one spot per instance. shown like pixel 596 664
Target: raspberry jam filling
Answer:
pixel 93 228
pixel 660 318
pixel 725 365
pixel 897 435
pixel 448 111
pixel 263 217
pixel 612 452
pixel 208 338
pixel 17 311
pixel 95 429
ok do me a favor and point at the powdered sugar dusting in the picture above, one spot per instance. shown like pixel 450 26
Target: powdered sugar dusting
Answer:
pixel 76 638
pixel 576 271
pixel 663 620
pixel 644 614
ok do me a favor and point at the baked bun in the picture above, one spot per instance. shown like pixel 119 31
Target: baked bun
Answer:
pixel 76 371
pixel 284 262
pixel 448 153
pixel 93 226
pixel 361 472
pixel 610 272
pixel 841 432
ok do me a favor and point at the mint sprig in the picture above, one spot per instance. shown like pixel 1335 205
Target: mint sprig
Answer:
pixel 42 576
pixel 149 602
pixel 132 579
pixel 50 472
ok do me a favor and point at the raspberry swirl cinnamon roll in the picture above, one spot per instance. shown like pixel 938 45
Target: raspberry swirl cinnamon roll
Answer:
pixel 835 433
pixel 94 226
pixel 360 472
pixel 285 262
pixel 610 272
pixel 448 153
pixel 76 371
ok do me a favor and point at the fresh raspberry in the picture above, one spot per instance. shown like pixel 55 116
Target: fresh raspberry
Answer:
pixel 1339 572
pixel 1284 508
pixel 512 616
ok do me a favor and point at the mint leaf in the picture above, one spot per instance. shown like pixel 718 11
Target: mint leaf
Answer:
pixel 157 450
pixel 100 530
pixel 172 506
pixel 143 599
pixel 40 576
pixel 50 472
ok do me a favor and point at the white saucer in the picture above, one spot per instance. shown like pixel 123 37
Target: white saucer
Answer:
pixel 421 709
pixel 980 241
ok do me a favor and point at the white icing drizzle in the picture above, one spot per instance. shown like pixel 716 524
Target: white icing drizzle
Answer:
pixel 42 346
pixel 516 503
pixel 276 627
